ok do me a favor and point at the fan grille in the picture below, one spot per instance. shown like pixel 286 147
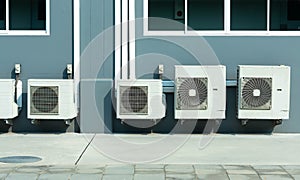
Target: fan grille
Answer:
pixel 256 93
pixel 44 100
pixel 134 100
pixel 192 93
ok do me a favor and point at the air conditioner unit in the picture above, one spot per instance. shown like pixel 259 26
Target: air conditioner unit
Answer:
pixel 140 99
pixel 200 92
pixel 51 99
pixel 263 92
pixel 8 106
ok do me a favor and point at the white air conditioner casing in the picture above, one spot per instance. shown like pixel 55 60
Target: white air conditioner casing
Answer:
pixel 51 99
pixel 8 107
pixel 200 92
pixel 140 99
pixel 263 92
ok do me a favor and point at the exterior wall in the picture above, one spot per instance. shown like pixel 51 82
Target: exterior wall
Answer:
pixel 40 57
pixel 96 15
pixel 47 56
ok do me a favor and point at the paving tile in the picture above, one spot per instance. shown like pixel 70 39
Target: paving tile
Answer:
pixel 7 169
pixel 149 176
pixel 89 169
pixel 262 167
pixel 180 176
pixel 61 169
pixel 270 170
pixel 203 166
pixel 276 177
pixel 21 176
pixel 237 167
pixel 222 176
pixel 149 166
pixel 124 169
pixel 293 171
pixel 296 177
pixel 3 176
pixel 117 177
pixel 149 169
pixel 86 177
pixel 243 177
pixel 241 171
pixel 178 168
pixel 54 176
pixel 210 171
pixel 32 169
pixel 291 167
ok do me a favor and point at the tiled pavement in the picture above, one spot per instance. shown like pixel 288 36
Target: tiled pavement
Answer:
pixel 149 172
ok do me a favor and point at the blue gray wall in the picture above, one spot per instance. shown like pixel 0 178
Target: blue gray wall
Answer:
pixel 97 15
pixel 47 56
pixel 40 57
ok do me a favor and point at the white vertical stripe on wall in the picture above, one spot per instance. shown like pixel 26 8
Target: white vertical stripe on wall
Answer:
pixel 117 40
pixel 76 63
pixel 124 47
pixel 132 39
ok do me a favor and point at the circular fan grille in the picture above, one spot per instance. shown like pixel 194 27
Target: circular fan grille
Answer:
pixel 45 99
pixel 192 93
pixel 135 99
pixel 262 86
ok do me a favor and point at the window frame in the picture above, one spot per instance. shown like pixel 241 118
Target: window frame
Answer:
pixel 8 32
pixel 227 25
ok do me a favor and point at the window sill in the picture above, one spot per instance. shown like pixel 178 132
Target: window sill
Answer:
pixel 221 33
pixel 24 33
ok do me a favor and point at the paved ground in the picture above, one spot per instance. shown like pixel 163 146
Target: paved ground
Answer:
pixel 151 172
pixel 89 156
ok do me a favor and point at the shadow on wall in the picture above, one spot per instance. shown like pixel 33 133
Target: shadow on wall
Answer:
pixel 22 124
pixel 230 125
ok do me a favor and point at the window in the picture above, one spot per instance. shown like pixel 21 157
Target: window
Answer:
pixel 24 17
pixel 162 11
pixel 248 15
pixel 2 14
pixel 285 15
pixel 222 17
pixel 206 14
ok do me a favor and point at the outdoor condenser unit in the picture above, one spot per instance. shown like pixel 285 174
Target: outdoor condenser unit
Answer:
pixel 51 99
pixel 140 99
pixel 8 106
pixel 200 92
pixel 263 92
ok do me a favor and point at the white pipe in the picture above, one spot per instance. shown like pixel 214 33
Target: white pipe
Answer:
pixel 124 39
pixel 7 16
pixel 76 4
pixel 132 39
pixel 117 40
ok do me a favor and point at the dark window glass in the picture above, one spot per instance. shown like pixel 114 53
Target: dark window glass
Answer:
pixel 248 14
pixel 166 15
pixel 285 15
pixel 27 15
pixel 2 14
pixel 206 14
pixel 294 10
pixel 42 10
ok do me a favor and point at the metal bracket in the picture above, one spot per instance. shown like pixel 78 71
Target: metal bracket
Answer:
pixel 9 122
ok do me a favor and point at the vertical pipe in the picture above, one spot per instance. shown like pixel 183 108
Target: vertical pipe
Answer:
pixel 76 10
pixel 227 16
pixel 117 40
pixel 185 16
pixel 131 39
pixel 7 15
pixel 268 15
pixel 124 47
